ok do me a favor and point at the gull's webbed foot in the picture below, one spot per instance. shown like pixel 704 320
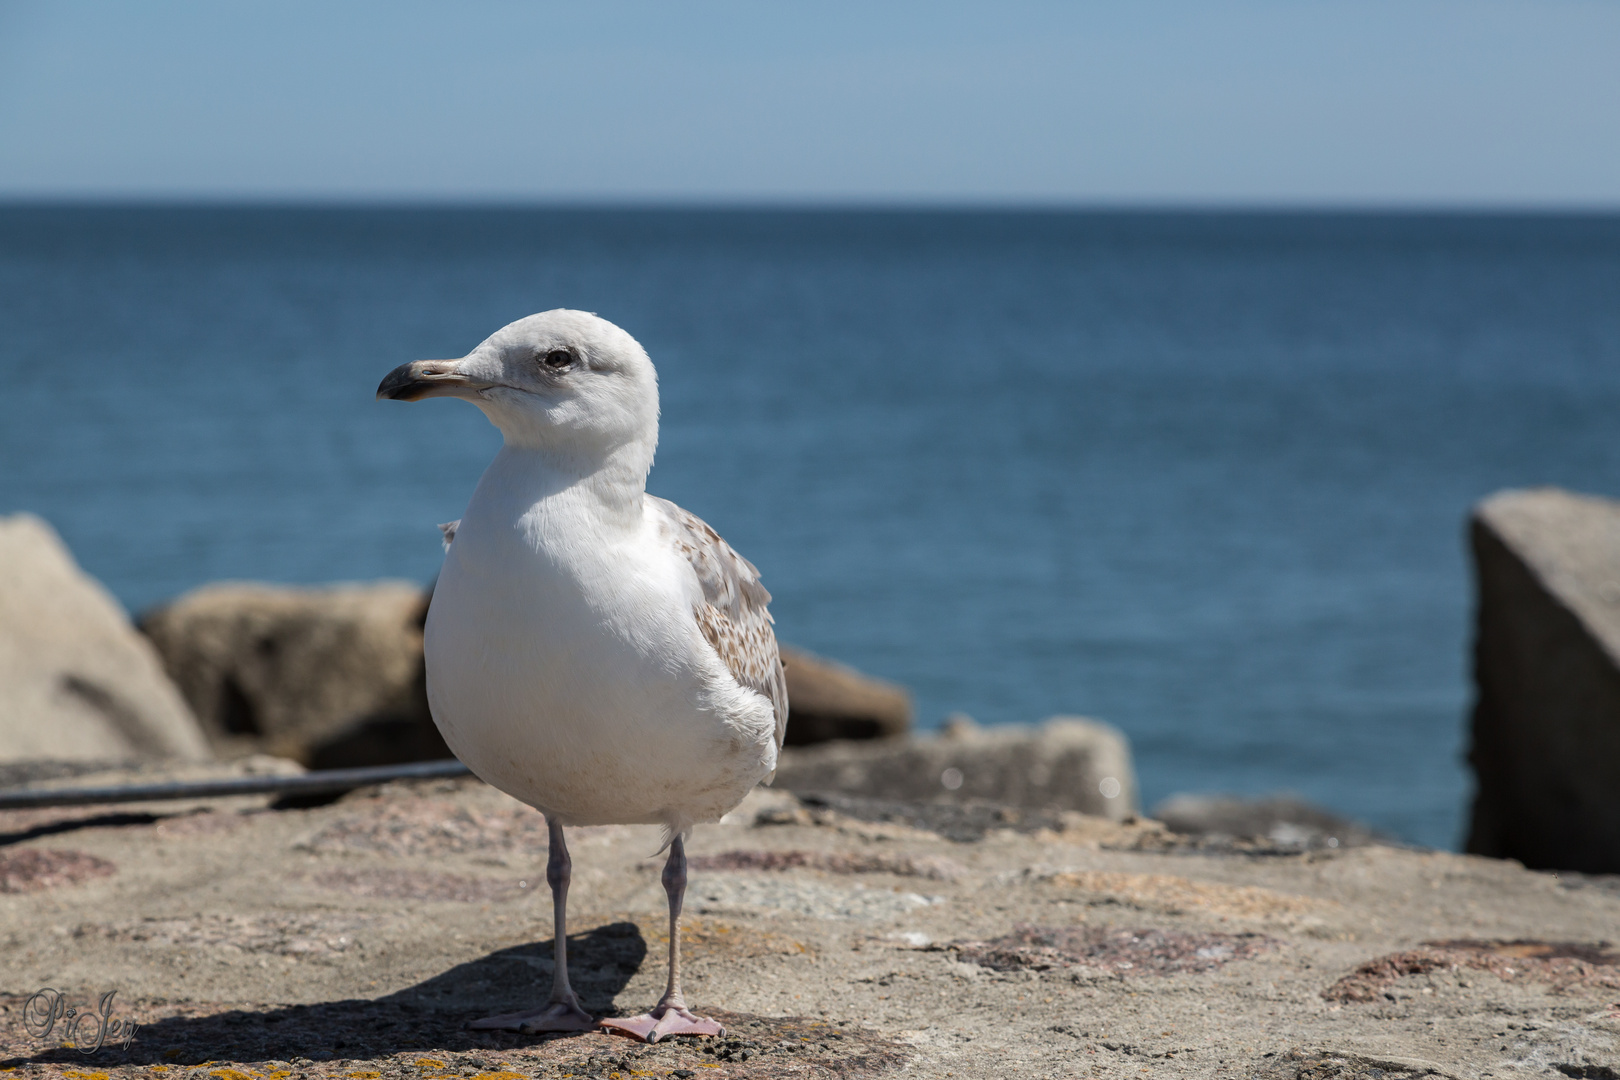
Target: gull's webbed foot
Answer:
pixel 664 1020
pixel 555 1016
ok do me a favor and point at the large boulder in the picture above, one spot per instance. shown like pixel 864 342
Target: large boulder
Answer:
pixel 827 701
pixel 330 677
pixel 77 682
pixel 1283 819
pixel 1546 724
pixel 334 676
pixel 1067 763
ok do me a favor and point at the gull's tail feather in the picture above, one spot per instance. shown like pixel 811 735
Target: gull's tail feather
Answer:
pixel 675 826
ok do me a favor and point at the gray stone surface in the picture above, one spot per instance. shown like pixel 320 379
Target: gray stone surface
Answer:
pixel 356 940
pixel 828 700
pixel 1066 763
pixel 1546 723
pixel 76 680
pixel 1282 819
pixel 329 677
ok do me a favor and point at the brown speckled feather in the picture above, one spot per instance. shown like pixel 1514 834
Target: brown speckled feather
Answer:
pixel 733 615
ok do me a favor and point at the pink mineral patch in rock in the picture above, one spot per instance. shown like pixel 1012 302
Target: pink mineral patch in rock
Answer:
pixel 1117 952
pixel 32 869
pixel 936 867
pixel 1562 964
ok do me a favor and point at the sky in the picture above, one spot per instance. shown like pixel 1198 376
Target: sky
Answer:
pixel 1484 103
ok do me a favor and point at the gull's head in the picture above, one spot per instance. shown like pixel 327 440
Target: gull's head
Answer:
pixel 563 381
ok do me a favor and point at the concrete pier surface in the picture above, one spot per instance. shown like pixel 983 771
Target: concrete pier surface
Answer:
pixel 355 940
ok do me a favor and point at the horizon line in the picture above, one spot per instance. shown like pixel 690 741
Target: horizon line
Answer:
pixel 817 204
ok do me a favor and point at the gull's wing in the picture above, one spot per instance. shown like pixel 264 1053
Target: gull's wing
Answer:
pixel 732 616
pixel 448 530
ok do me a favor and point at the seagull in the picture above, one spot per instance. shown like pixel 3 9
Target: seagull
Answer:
pixel 592 650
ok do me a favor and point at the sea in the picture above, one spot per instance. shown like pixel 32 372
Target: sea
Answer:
pixel 1204 476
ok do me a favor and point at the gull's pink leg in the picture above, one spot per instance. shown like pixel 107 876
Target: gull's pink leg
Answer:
pixel 670 1016
pixel 562 1012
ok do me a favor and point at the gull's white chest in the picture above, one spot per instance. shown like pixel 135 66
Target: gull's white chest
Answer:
pixel 564 666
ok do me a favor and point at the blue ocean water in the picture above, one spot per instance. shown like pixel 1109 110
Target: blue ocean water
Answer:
pixel 1203 476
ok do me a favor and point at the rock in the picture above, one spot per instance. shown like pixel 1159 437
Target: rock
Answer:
pixel 1285 820
pixel 330 677
pixel 1546 723
pixel 361 936
pixel 334 677
pixel 829 701
pixel 1067 763
pixel 77 683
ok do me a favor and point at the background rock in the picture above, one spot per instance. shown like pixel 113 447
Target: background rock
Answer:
pixel 1546 724
pixel 334 677
pixel 827 700
pixel 1067 763
pixel 76 681
pixel 1284 820
pixel 329 677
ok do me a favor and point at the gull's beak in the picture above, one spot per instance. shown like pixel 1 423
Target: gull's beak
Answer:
pixel 429 378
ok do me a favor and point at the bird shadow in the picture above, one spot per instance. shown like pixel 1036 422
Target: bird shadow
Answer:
pixel 432 1015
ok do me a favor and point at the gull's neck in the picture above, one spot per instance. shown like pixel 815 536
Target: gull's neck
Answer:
pixel 607 488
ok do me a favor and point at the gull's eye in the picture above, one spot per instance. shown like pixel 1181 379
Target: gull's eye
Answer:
pixel 557 359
